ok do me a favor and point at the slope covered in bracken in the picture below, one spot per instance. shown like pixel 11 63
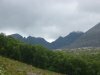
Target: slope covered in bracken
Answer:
pixel 12 67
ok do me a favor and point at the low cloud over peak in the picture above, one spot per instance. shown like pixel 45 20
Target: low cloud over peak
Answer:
pixel 48 18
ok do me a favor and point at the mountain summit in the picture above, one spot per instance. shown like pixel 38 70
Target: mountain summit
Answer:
pixel 90 39
pixel 67 40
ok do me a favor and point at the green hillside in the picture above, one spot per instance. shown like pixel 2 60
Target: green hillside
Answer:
pixel 70 62
pixel 11 67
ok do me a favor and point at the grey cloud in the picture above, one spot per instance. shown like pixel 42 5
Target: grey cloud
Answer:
pixel 90 5
pixel 48 18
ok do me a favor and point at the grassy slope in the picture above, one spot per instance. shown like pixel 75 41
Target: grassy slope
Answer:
pixel 11 67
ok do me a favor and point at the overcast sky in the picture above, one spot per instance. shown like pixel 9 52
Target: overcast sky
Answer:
pixel 48 18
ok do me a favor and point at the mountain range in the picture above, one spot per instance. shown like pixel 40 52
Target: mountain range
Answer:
pixel 58 43
pixel 78 39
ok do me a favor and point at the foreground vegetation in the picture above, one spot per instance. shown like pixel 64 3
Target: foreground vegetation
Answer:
pixel 69 62
pixel 12 67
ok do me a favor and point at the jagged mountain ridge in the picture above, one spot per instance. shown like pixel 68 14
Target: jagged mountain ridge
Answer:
pixel 32 40
pixel 59 43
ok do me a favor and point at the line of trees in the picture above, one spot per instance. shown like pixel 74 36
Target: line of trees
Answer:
pixel 58 61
